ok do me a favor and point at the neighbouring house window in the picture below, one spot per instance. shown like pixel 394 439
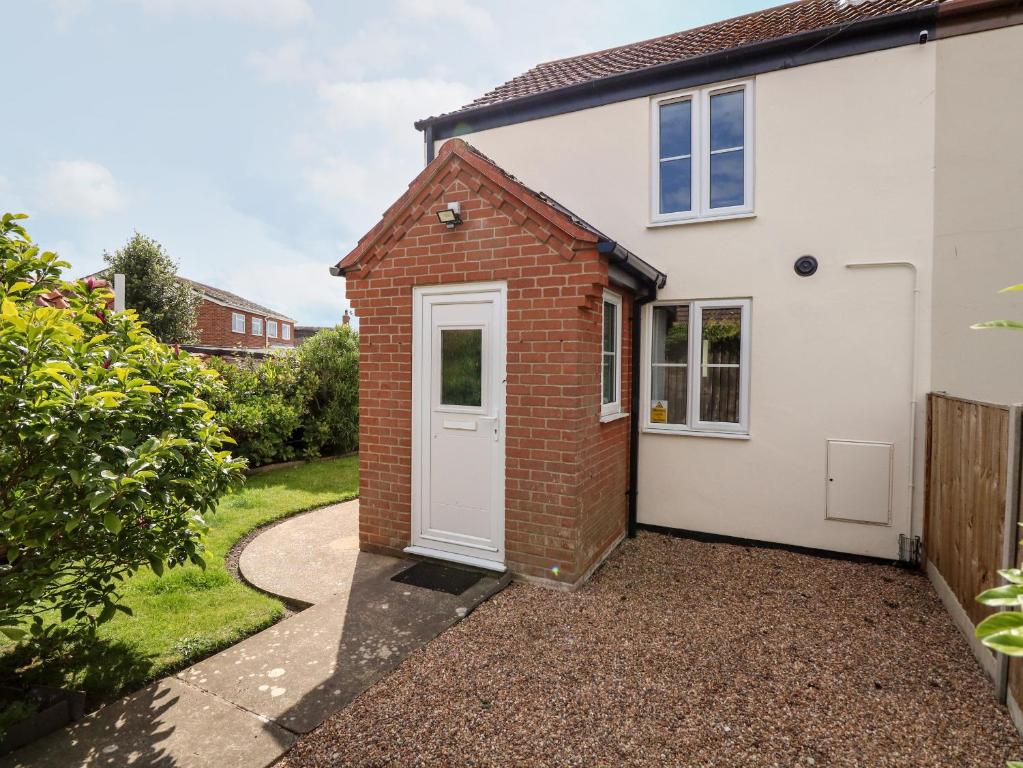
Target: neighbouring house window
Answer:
pixel 285 331
pixel 271 329
pixel 699 366
pixel 257 326
pixel 237 322
pixel 611 355
pixel 702 154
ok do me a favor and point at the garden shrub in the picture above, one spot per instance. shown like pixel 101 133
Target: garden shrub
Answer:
pixel 264 407
pixel 331 359
pixel 294 404
pixel 110 454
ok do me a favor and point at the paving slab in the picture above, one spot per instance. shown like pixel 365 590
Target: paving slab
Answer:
pixel 311 558
pixel 170 724
pixel 242 707
pixel 302 670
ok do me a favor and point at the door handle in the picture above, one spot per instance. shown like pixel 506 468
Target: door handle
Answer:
pixel 495 424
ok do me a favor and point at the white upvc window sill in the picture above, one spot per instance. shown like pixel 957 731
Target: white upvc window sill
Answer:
pixel 701 219
pixel 613 417
pixel 695 433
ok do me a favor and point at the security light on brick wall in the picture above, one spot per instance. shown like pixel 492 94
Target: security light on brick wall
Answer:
pixel 450 216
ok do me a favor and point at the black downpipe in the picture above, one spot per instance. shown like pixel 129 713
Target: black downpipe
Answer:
pixel 634 421
pixel 428 141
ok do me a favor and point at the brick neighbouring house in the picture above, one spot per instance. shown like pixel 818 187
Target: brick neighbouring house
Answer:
pixel 510 449
pixel 227 322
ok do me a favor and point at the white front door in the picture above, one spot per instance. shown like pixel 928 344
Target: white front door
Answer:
pixel 458 404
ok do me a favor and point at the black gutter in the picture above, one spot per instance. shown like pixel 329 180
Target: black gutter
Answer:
pixel 864 36
pixel 630 262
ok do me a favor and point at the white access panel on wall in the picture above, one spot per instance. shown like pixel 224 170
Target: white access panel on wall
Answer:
pixel 859 482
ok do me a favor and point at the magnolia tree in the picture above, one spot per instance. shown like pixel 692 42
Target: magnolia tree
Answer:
pixel 110 455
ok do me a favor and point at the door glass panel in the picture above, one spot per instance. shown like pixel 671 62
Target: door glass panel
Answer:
pixel 461 366
pixel 719 367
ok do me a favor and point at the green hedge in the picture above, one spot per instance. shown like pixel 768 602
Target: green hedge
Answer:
pixel 299 403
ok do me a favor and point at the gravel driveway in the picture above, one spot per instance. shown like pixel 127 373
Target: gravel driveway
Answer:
pixel 687 653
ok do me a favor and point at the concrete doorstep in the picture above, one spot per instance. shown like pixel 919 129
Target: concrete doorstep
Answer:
pixel 243 707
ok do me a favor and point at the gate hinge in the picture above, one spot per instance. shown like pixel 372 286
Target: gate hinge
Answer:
pixel 909 549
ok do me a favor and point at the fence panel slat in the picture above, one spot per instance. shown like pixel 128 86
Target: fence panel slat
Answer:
pixel 966 479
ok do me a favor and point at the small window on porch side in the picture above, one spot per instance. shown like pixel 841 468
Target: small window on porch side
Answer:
pixel 611 355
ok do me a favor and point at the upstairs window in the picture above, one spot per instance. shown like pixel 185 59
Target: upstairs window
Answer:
pixel 285 331
pixel 611 356
pixel 699 366
pixel 237 322
pixel 271 329
pixel 702 154
pixel 257 326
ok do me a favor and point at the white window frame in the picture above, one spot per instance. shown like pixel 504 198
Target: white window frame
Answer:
pixel 271 329
pixel 700 157
pixel 615 406
pixel 693 425
pixel 237 322
pixel 257 322
pixel 285 332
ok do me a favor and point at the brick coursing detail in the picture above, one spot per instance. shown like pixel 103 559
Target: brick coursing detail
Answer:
pixel 214 324
pixel 566 473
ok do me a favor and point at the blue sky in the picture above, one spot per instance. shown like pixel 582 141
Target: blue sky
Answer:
pixel 259 139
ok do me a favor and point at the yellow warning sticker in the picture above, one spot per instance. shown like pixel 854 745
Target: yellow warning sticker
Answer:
pixel 659 412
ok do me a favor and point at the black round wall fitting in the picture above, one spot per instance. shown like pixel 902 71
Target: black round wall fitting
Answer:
pixel 805 265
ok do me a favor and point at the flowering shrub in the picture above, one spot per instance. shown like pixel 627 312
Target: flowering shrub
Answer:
pixel 109 457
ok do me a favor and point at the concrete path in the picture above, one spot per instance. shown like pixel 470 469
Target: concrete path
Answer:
pixel 328 540
pixel 243 707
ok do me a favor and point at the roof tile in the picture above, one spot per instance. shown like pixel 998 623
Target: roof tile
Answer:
pixel 761 26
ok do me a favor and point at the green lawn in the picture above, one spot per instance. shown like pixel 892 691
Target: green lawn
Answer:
pixel 189 613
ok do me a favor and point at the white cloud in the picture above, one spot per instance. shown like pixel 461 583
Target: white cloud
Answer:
pixel 378 49
pixel 393 104
pixel 270 12
pixel 80 188
pixel 67 11
pixel 299 287
pixel 472 18
pixel 288 64
pixel 358 178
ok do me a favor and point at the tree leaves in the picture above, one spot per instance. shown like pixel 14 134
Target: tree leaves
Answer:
pixel 1013 324
pixel 116 445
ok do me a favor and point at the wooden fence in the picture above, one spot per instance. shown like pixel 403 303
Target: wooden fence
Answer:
pixel 972 510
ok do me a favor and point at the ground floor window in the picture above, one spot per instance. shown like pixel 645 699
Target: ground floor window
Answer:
pixel 611 358
pixel 699 366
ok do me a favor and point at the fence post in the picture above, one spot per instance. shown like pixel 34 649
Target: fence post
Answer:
pixel 1010 536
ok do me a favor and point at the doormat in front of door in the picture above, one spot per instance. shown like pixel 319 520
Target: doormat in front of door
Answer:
pixel 439 578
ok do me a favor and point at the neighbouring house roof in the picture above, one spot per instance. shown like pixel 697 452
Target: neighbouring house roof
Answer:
pixel 218 295
pixel 543 205
pixel 233 300
pixel 792 20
